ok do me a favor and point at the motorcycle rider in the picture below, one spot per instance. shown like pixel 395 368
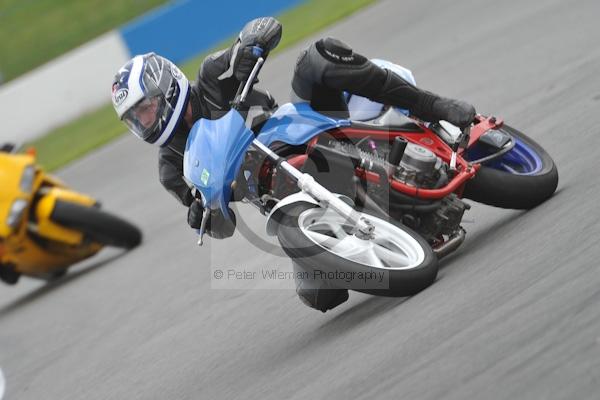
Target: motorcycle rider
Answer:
pixel 159 105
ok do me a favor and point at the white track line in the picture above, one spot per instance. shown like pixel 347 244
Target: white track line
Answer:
pixel 2 385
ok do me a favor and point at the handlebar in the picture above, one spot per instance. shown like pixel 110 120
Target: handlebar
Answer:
pixel 202 230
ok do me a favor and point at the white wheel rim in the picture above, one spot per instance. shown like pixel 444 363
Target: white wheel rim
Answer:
pixel 390 247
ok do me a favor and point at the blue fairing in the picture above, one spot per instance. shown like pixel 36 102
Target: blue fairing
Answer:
pixel 213 156
pixel 215 148
pixel 296 124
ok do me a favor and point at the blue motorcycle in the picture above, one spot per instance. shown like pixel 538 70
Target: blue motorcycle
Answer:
pixel 374 198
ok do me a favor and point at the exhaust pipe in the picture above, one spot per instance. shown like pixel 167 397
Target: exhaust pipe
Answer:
pixel 451 244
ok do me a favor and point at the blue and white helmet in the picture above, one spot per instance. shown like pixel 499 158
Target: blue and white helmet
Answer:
pixel 149 94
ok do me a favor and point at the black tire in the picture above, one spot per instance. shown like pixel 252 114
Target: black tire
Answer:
pixel 503 189
pixel 307 254
pixel 96 224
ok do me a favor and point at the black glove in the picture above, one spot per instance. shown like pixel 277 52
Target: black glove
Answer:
pixel 456 112
pixel 217 226
pixel 262 32
pixel 244 63
pixel 194 216
pixel 220 228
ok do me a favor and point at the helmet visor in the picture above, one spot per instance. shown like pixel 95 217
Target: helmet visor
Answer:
pixel 148 117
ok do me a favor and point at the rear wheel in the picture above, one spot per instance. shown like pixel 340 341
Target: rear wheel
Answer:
pixel 320 240
pixel 96 224
pixel 521 179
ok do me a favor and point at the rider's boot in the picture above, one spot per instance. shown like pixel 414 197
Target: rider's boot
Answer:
pixel 317 293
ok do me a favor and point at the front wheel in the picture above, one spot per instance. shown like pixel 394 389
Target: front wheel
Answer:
pixel 97 224
pixel 393 261
pixel 521 179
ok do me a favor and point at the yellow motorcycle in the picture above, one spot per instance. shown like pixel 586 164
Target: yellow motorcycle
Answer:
pixel 45 227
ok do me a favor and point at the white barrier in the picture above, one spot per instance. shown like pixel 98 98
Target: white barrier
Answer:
pixel 60 90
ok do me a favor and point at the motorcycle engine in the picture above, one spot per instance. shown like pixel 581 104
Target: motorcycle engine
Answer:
pixel 420 167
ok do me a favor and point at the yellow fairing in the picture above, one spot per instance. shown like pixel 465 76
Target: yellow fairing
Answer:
pixel 43 247
pixel 46 227
pixel 33 260
pixel 11 170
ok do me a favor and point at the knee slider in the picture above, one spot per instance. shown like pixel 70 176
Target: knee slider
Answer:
pixel 338 52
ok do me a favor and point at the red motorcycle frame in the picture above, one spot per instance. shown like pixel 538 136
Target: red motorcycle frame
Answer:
pixel 428 139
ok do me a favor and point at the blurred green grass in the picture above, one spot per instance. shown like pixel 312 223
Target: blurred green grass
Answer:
pixel 35 31
pixel 77 138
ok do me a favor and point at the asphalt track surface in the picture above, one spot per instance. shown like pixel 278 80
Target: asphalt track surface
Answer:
pixel 515 313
